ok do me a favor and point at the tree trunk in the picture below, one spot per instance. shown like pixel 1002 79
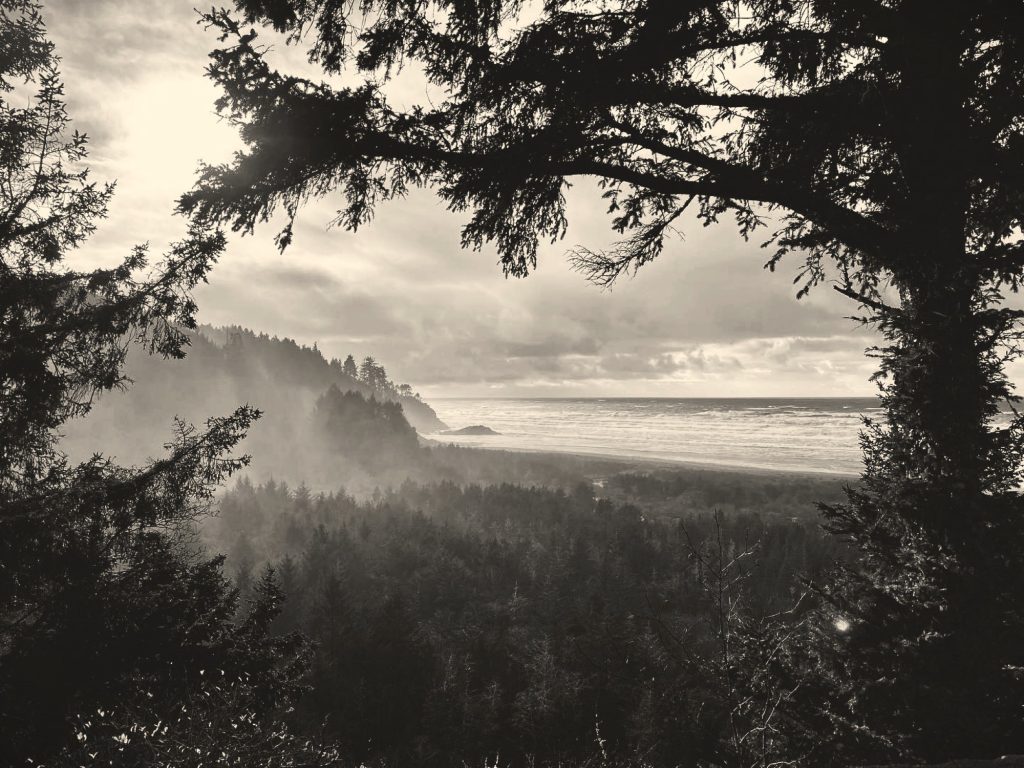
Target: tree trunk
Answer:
pixel 929 667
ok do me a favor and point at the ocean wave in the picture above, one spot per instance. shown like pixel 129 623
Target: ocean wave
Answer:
pixel 800 436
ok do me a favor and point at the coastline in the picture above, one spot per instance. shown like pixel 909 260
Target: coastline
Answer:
pixel 765 436
pixel 652 463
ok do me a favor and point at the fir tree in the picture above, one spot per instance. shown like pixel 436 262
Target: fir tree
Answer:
pixel 349 367
pixel 105 613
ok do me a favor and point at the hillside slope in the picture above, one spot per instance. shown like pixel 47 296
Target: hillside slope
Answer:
pixel 247 353
pixel 223 369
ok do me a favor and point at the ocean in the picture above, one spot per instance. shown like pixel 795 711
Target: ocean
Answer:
pixel 817 435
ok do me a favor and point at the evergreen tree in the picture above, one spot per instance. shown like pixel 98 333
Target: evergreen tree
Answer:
pixel 373 375
pixel 370 432
pixel 103 608
pixel 883 138
pixel 349 367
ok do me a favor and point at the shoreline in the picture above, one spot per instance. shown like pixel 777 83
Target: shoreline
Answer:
pixel 633 463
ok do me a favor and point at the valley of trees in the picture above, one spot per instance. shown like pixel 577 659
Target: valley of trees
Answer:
pixel 430 605
pixel 466 624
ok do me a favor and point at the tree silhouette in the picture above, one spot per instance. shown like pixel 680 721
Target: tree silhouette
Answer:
pixel 101 601
pixel 880 142
pixel 373 375
pixel 349 367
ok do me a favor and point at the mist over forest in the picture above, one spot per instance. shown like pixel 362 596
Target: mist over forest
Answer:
pixel 464 603
pixel 289 383
pixel 320 425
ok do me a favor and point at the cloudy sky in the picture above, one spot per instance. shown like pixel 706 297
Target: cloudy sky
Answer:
pixel 704 320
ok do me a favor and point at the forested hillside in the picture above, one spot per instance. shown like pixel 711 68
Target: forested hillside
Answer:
pixel 247 355
pixel 229 366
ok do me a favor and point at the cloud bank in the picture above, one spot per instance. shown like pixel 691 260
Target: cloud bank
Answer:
pixel 703 320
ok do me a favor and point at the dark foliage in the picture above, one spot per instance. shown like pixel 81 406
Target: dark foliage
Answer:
pixel 103 609
pixel 365 431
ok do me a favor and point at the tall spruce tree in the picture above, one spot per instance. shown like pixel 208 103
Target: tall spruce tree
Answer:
pixel 881 142
pixel 108 619
pixel 349 367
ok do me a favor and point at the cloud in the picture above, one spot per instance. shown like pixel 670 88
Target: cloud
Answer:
pixel 303 303
pixel 704 319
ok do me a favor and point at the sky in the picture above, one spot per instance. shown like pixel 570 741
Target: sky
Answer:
pixel 704 320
